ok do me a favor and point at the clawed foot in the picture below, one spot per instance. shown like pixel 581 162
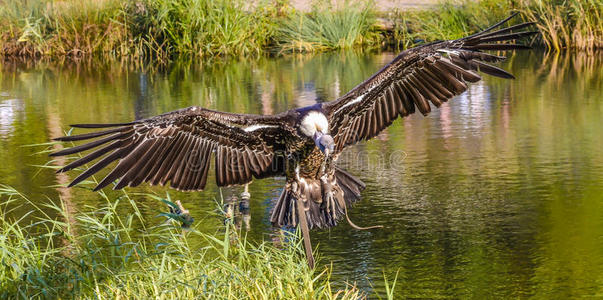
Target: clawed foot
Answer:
pixel 328 197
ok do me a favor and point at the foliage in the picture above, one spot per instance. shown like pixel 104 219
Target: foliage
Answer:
pixel 106 254
pixel 200 28
pixel 141 28
pixel 328 28
pixel 206 28
pixel 567 24
pixel 563 24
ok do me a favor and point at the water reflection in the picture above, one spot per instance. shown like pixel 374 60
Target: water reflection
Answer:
pixel 11 110
pixel 496 194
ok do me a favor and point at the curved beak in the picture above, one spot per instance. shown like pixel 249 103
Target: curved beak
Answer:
pixel 325 143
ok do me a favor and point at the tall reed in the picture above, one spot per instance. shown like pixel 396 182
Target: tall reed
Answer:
pixel 328 27
pixel 36 28
pixel 200 28
pixel 210 28
pixel 133 28
pixel 107 254
pixel 564 24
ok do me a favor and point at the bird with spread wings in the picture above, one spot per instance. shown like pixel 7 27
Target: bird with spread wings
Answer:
pixel 302 144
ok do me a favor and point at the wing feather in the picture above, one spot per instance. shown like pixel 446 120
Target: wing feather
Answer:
pixel 117 154
pixel 152 175
pixel 163 174
pixel 148 162
pixel 417 78
pixel 177 147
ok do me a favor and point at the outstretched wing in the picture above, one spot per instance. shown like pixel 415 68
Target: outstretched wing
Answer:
pixel 177 147
pixel 433 73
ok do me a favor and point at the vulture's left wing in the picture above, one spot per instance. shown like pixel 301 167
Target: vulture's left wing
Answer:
pixel 177 147
pixel 430 73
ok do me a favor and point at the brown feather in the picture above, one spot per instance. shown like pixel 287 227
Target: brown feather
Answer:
pixel 505 30
pixel 435 81
pixel 89 145
pixel 131 163
pixel 255 164
pixel 90 135
pixel 385 108
pixel 396 95
pixel 205 169
pixel 149 160
pixel 506 37
pixel 117 154
pixel 179 162
pixel 98 166
pixel 420 76
pixel 457 85
pixel 374 120
pixel 163 173
pixel 407 102
pixel 199 166
pixel 392 103
pixel 419 101
pixel 220 172
pixel 491 70
pixel 498 47
pixel 424 90
pixel 190 166
pixel 246 165
pixel 466 74
pixel 161 158
pixel 92 156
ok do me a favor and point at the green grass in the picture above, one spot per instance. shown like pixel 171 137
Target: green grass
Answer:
pixel 163 29
pixel 567 24
pixel 563 24
pixel 102 254
pixel 448 20
pixel 328 28
pixel 200 28
pixel 135 29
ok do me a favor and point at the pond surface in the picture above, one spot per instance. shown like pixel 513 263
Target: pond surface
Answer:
pixel 499 193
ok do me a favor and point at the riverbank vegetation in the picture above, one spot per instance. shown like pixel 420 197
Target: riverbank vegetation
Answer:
pixel 208 28
pixel 563 25
pixel 112 252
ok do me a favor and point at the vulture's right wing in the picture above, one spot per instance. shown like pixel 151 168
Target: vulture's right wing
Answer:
pixel 177 147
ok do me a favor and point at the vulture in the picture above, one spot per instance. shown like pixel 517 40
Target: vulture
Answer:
pixel 301 144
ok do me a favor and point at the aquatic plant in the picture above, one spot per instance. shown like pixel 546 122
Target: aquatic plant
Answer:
pixel 134 29
pixel 200 28
pixel 36 28
pixel 203 28
pixel 101 253
pixel 575 24
pixel 562 24
pixel 328 27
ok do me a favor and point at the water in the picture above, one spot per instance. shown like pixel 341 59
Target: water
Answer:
pixel 497 194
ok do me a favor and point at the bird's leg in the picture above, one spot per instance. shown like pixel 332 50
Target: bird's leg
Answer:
pixel 328 195
pixel 244 207
pixel 327 189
